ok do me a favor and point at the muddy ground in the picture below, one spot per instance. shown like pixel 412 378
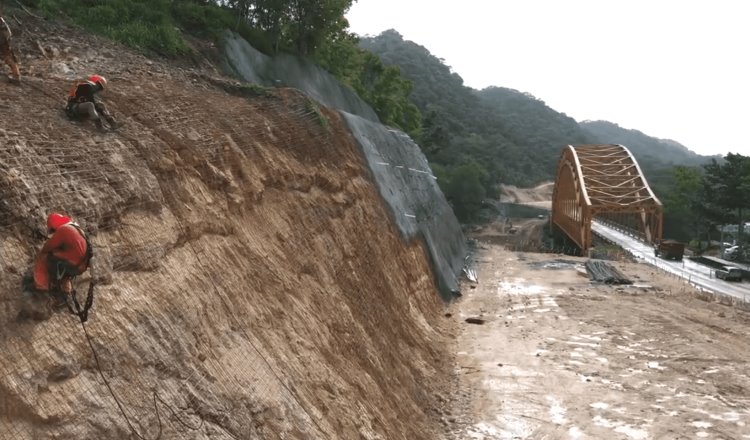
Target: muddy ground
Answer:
pixel 558 357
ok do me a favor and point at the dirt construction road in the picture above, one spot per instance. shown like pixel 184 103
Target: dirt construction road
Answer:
pixel 560 358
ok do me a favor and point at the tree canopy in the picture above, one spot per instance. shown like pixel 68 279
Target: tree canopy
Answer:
pixel 727 189
pixel 303 25
pixel 685 215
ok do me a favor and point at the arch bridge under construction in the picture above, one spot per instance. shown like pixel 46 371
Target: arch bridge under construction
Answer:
pixel 603 183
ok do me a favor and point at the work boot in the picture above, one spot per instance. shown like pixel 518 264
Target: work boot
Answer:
pixel 111 121
pixel 99 124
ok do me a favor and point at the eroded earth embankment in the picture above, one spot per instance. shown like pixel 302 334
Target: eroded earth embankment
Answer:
pixel 251 283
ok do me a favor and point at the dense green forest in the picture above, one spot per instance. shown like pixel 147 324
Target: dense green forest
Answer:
pixel 474 139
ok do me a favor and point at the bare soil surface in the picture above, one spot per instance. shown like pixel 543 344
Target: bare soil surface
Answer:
pixel 550 355
pixel 540 195
pixel 515 234
pixel 251 282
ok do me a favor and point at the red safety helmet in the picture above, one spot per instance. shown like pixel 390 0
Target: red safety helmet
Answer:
pixel 56 220
pixel 97 79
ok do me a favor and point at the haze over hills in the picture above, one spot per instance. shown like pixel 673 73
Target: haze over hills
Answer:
pixel 513 135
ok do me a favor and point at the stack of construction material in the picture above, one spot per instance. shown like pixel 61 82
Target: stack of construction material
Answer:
pixel 604 272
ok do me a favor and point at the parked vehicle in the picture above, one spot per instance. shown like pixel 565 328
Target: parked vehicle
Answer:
pixel 731 252
pixel 728 273
pixel 669 249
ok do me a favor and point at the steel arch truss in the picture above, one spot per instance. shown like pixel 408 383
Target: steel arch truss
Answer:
pixel 606 183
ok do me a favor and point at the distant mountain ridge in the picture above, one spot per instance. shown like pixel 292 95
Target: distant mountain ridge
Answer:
pixel 514 135
pixel 643 146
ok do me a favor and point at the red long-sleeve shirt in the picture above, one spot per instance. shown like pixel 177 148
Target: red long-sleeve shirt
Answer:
pixel 67 244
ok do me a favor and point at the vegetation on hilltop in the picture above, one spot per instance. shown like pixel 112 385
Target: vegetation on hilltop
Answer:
pixel 299 26
pixel 315 29
pixel 381 86
pixel 497 134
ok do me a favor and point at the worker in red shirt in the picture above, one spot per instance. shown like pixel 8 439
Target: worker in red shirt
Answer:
pixel 64 256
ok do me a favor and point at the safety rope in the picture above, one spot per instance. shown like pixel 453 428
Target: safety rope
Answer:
pixel 82 314
pixel 156 397
pixel 75 309
pixel 114 396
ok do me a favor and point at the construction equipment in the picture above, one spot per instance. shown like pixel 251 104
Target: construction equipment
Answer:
pixel 669 249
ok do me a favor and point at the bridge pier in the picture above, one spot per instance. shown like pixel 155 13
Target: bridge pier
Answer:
pixel 563 244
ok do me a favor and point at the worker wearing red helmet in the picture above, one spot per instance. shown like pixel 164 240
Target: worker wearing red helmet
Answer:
pixel 64 256
pixel 84 102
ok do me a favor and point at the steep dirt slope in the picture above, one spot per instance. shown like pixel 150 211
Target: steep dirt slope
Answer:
pixel 251 283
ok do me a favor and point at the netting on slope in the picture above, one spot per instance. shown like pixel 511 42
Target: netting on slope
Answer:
pixel 419 208
pixel 105 182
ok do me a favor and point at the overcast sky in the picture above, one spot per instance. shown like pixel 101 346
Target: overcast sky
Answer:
pixel 672 69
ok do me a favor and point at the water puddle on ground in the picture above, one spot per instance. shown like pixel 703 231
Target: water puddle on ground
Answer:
pixel 557 264
pixel 517 287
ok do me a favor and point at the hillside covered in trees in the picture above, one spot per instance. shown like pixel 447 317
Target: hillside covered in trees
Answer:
pixel 502 135
pixel 513 137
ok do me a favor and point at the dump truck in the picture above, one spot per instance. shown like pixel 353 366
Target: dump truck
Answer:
pixel 669 249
